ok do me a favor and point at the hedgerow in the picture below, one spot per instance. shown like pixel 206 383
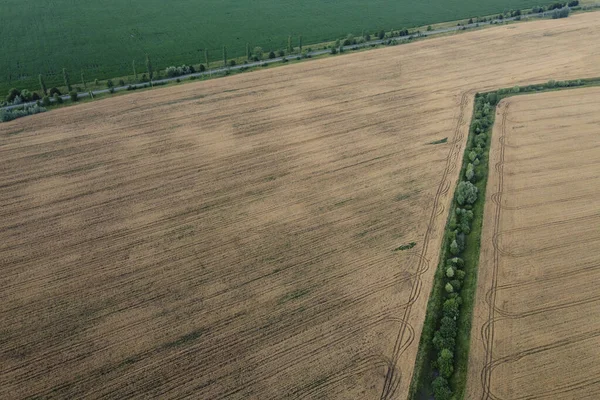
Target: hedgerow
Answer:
pixel 442 359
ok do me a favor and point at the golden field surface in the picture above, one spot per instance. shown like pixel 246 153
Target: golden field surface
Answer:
pixel 536 329
pixel 235 238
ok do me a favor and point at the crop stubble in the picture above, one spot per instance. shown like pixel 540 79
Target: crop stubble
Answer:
pixel 233 238
pixel 535 333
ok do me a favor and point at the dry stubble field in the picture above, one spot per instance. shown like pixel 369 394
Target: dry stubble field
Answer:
pixel 234 238
pixel 536 330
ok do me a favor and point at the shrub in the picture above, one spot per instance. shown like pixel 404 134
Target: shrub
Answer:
pixel 258 53
pixel 172 71
pixel 573 3
pixel 121 82
pixel 73 95
pixel 9 115
pixel 562 13
pixel 429 28
pixel 111 90
pixel 58 99
pixel 202 68
pixel 281 53
pixel 491 98
pixel 46 101
pixel 232 63
pixel 333 50
pixel 109 84
pixel 457 262
pixel 381 34
pixel 466 193
pixel 272 55
pixel 480 140
pixel 456 285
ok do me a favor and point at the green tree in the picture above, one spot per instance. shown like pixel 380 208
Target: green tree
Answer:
pixel 454 247
pixel 300 43
pixel 440 342
pixel 470 173
pixel 449 287
pixel 12 94
pixel 224 56
pixel 448 326
pixel 66 78
pixel 109 83
pixel 42 84
pixel 349 40
pixel 149 68
pixel 451 308
pixel 441 389
pixel 134 71
pixel 445 363
pixel 206 58
pixel 466 193
pixel 258 53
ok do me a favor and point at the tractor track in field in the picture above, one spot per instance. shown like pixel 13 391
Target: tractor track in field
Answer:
pixel 392 377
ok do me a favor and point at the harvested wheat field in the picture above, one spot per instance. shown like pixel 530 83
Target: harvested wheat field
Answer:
pixel 536 331
pixel 237 238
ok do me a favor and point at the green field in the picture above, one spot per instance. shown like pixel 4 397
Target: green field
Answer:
pixel 102 38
